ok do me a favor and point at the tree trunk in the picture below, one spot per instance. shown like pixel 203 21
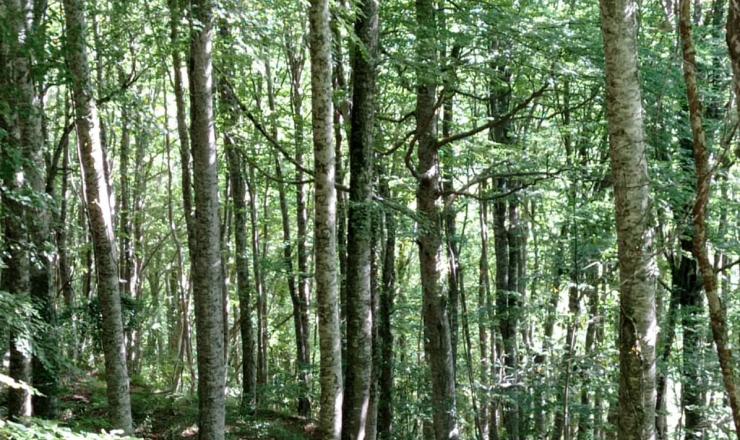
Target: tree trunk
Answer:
pixel 733 46
pixel 238 194
pixel 385 332
pixel 484 303
pixel 259 288
pixel 296 58
pixel 637 329
pixel 359 239
pixel 92 162
pixel 437 337
pixel 15 274
pixel 28 225
pixel 182 125
pixel 206 253
pixel 704 171
pixel 325 239
pixel 301 338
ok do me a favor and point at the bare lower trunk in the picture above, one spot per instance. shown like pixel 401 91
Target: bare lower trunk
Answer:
pixel 637 329
pixel 99 215
pixel 259 288
pixel 296 57
pixel 359 239
pixel 206 253
pixel 385 333
pixel 302 352
pixel 325 239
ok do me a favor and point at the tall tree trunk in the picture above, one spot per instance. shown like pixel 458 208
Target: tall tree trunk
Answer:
pixel 92 162
pixel 484 303
pixel 31 222
pixel 296 58
pixel 65 273
pixel 302 351
pixel 689 292
pixel 704 171
pixel 249 371
pixel 325 239
pixel 637 328
pixel 185 172
pixel 181 112
pixel 359 239
pixel 733 45
pixel 437 337
pixel 238 195
pixel 371 425
pixel 339 82
pixel 385 313
pixel 15 276
pixel 206 253
pixel 259 288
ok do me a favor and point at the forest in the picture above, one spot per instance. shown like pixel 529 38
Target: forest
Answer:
pixel 370 219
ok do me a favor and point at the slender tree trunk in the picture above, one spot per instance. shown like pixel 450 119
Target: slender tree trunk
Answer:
pixel 371 425
pixel 733 46
pixel 359 239
pixel 238 194
pixel 92 162
pixel 181 116
pixel 325 239
pixel 302 351
pixel 717 313
pixel 339 83
pixel 692 400
pixel 296 57
pixel 385 332
pixel 437 337
pixel 484 302
pixel 249 371
pixel 665 348
pixel 637 329
pixel 206 253
pixel 65 274
pixel 259 288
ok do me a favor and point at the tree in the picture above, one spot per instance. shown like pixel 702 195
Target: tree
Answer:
pixel 699 213
pixel 206 253
pixel 637 322
pixel 437 333
pixel 359 233
pixel 325 240
pixel 99 215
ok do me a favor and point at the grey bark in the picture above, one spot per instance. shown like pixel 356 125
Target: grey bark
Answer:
pixel 206 254
pixel 92 162
pixel 238 194
pixel 330 344
pixel 302 348
pixel 637 270
pixel 359 235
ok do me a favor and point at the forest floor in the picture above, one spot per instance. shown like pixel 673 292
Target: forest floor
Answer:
pixel 158 416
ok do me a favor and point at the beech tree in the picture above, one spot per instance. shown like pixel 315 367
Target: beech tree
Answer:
pixel 325 241
pixel 638 332
pixel 206 250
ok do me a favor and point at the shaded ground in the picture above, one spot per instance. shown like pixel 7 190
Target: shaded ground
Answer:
pixel 162 416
